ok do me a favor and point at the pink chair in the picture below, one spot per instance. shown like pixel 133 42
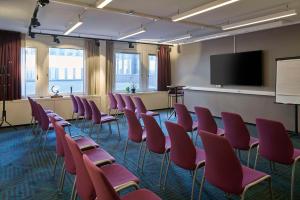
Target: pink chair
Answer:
pixel 276 146
pixel 141 109
pixel 99 119
pixel 75 106
pixel 112 104
pixel 105 189
pixel 223 169
pixel 119 176
pixel 129 103
pixel 237 133
pixel 120 103
pixel 87 112
pixel 184 119
pixel 136 133
pixel 156 141
pixel 183 152
pixel 80 113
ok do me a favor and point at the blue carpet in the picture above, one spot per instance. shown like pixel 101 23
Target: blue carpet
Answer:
pixel 26 170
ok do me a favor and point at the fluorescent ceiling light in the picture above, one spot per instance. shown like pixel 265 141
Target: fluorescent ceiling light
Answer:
pixel 210 37
pixel 139 31
pixel 178 38
pixel 104 3
pixel 258 20
pixel 72 28
pixel 202 9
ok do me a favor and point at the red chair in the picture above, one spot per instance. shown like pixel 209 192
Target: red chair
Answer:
pixel 81 111
pixel 156 141
pixel 99 119
pixel 184 119
pixel 223 169
pixel 206 122
pixel 105 189
pixel 136 133
pixel 119 176
pixel 129 103
pixel 141 109
pixel 120 103
pixel 88 115
pixel 183 153
pixel 237 133
pixel 75 106
pixel 112 104
pixel 276 146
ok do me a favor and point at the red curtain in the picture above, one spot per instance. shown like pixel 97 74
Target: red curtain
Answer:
pixel 10 58
pixel 164 68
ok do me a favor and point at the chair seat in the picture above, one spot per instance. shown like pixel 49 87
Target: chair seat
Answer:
pixel 99 156
pixel 141 194
pixel 151 113
pixel 220 132
pixel 200 157
pixel 118 175
pixel 62 123
pixel 85 142
pixel 103 114
pixel 168 143
pixel 108 118
pixel 254 141
pixel 251 175
pixel 296 154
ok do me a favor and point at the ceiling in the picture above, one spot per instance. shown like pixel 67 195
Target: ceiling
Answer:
pixel 111 21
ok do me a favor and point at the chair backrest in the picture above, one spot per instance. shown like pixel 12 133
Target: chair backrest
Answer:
pixel 222 168
pixel 96 114
pixel 80 106
pixel 183 117
pixel 156 140
pixel 74 103
pixel 43 118
pixel 183 151
pixel 84 186
pixel 120 102
pixel 36 113
pixel 87 109
pixel 274 142
pixel 31 106
pixel 205 120
pixel 236 131
pixel 112 101
pixel 68 159
pixel 104 189
pixel 140 106
pixel 135 130
pixel 129 103
pixel 59 147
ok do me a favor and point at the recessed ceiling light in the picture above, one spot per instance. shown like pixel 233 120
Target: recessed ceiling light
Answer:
pixel 130 34
pixel 178 38
pixel 72 28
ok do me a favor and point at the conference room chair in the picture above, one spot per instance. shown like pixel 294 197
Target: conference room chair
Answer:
pixel 136 133
pixel 156 141
pixel 83 142
pixel 113 105
pixel 237 134
pixel 88 115
pixel 99 119
pixel 129 104
pixel 183 153
pixel 276 146
pixel 120 103
pixel 223 169
pixel 184 119
pixel 119 176
pixel 74 106
pixel 81 111
pixel 141 109
pixel 105 188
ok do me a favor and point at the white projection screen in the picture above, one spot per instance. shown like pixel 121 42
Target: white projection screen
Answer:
pixel 288 80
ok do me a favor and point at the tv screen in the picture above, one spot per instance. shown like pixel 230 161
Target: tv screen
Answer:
pixel 236 69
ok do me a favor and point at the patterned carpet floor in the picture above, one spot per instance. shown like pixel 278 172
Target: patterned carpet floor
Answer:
pixel 26 169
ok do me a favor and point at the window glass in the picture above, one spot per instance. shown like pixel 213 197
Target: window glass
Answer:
pixel 28 71
pixel 152 76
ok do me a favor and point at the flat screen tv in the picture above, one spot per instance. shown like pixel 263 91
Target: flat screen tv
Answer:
pixel 236 69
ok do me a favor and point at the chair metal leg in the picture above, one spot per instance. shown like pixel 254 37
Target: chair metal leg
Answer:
pixel 55 163
pixel 139 157
pixel 125 151
pixel 62 178
pixel 73 189
pixel 293 179
pixel 98 133
pixel 248 157
pixel 201 187
pixel 256 158
pixel 166 174
pixel 109 125
pixel 118 129
pixel 193 185
pixel 46 134
pixel 161 168
pixel 72 115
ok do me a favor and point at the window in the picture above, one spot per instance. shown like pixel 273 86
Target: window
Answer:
pixel 152 72
pixel 28 71
pixel 127 70
pixel 66 70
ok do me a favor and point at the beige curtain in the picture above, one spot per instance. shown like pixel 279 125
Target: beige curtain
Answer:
pixel 109 65
pixel 93 67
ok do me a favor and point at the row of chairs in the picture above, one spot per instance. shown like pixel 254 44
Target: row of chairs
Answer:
pixel 90 113
pixel 96 173
pixel 118 102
